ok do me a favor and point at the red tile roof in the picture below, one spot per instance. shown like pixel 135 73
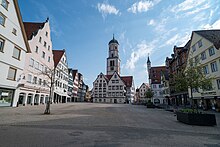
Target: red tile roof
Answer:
pixel 32 28
pixel 108 76
pixel 155 74
pixel 127 80
pixel 57 55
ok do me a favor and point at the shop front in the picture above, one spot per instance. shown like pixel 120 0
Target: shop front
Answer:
pixel 6 97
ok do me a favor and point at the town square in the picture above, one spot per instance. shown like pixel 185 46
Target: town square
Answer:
pixel 109 73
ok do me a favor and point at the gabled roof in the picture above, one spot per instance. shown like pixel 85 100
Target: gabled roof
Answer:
pixel 57 55
pixel 128 80
pixel 145 84
pixel 32 28
pixel 74 73
pixel 211 35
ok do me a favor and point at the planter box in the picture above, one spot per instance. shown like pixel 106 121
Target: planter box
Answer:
pixel 196 119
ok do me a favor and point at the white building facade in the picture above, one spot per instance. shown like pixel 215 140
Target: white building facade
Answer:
pixel 61 76
pixel 142 92
pixel 13 49
pixel 205 51
pixel 34 87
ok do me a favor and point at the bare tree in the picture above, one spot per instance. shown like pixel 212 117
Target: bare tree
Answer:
pixel 49 73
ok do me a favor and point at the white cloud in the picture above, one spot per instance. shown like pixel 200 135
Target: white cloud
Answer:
pixel 199 9
pixel 106 9
pixel 141 50
pixel 142 6
pixel 178 39
pixel 152 22
pixel 215 25
pixel 187 5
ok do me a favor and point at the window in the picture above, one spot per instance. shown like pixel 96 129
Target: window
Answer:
pixel 2 42
pixel 193 48
pixel 112 63
pixel 203 55
pixel 5 4
pixel 109 94
pixel 43 54
pixel 14 31
pixel 48 47
pixel 2 19
pixel 218 83
pixel 16 53
pixel 31 62
pixel 214 67
pixel 40 81
pixel 196 59
pixel 37 65
pixel 211 51
pixel 49 59
pixel 200 43
pixel 36 49
pixel 44 83
pixel 206 69
pixel 113 81
pixel 29 78
pixel 35 80
pixel 40 39
pixel 46 34
pixel 12 73
pixel 109 87
pixel 154 86
pixel 41 67
pixel 45 44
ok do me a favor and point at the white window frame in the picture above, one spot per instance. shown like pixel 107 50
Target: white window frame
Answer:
pixel 14 75
pixel 214 67
pixel 3 17
pixel 19 53
pixel 5 4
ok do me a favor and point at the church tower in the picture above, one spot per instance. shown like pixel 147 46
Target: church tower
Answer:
pixel 113 61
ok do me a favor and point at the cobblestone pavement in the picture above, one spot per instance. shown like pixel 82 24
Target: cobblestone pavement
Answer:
pixel 88 124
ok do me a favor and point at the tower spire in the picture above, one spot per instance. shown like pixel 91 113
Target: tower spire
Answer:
pixel 148 59
pixel 113 36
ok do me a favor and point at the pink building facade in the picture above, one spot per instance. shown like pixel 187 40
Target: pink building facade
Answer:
pixel 34 87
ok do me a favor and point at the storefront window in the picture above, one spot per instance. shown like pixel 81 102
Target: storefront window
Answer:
pixel 6 97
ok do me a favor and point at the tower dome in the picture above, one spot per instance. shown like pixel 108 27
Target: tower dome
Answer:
pixel 113 40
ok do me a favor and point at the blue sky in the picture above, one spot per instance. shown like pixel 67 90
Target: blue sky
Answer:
pixel 142 27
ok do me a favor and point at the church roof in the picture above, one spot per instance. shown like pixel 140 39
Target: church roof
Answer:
pixel 113 41
pixel 57 55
